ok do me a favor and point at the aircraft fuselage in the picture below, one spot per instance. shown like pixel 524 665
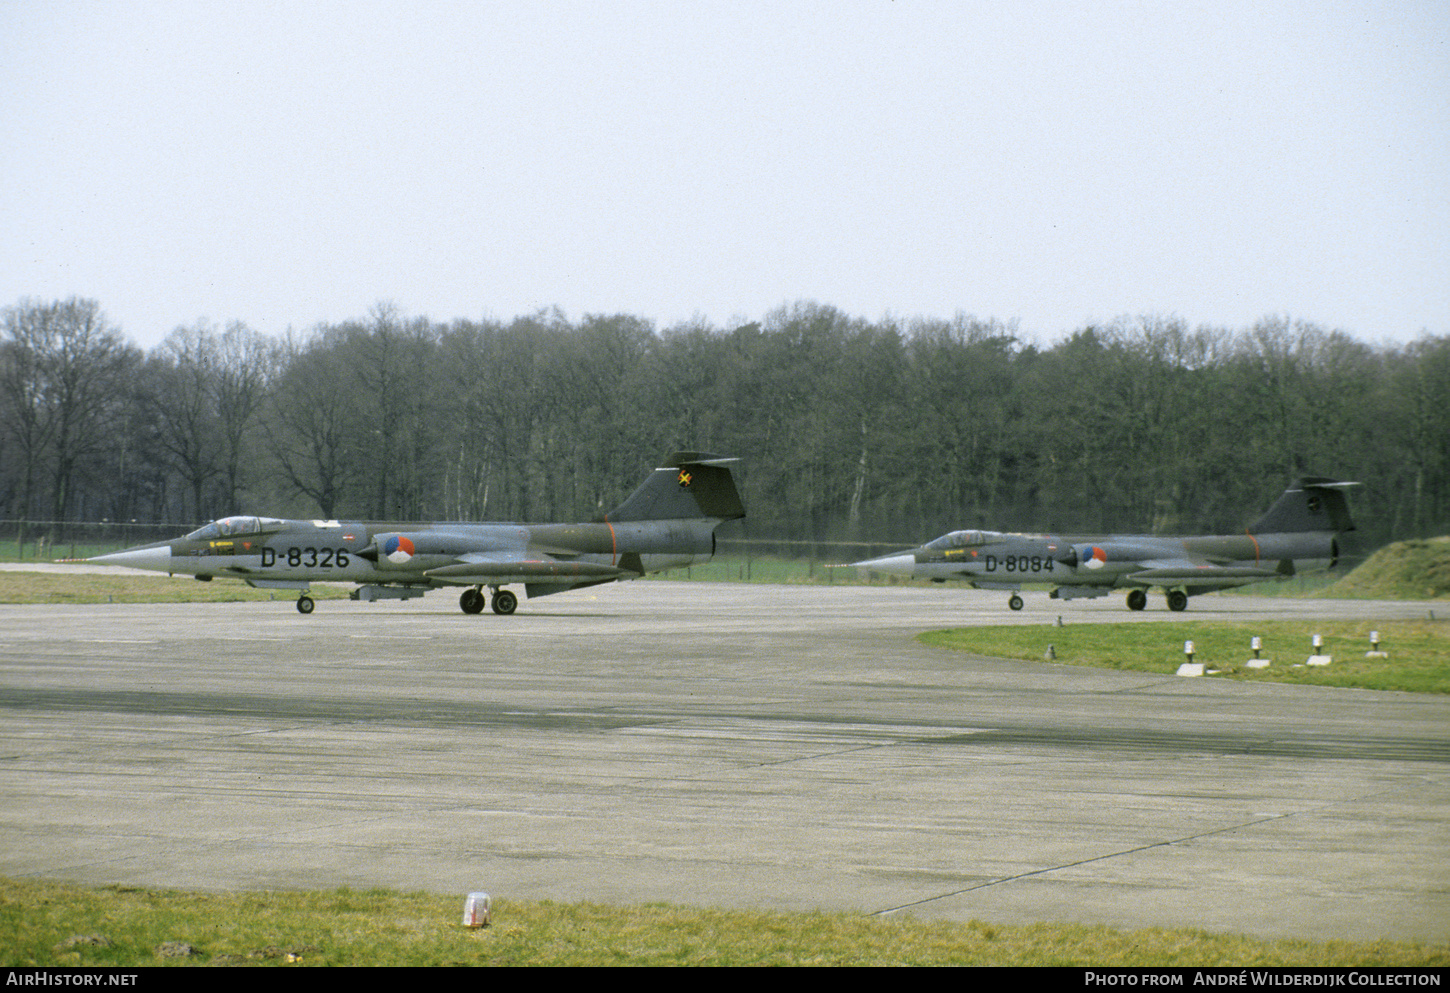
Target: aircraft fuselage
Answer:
pixel 995 558
pixel 423 553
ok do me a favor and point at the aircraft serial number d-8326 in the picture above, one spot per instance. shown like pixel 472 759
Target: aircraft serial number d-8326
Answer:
pixel 306 558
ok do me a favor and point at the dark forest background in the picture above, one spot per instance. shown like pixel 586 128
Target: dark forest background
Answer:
pixel 849 429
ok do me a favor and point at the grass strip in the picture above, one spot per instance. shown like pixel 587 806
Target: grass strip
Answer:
pixel 85 587
pixel 1418 662
pixel 56 924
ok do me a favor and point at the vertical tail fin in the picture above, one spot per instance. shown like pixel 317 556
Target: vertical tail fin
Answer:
pixel 1314 503
pixel 687 485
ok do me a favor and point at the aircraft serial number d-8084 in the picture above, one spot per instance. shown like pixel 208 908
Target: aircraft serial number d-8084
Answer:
pixel 667 523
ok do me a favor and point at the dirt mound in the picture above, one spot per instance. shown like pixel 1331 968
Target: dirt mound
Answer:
pixel 1406 570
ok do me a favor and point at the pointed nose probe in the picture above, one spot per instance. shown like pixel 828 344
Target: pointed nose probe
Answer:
pixel 156 558
pixel 901 564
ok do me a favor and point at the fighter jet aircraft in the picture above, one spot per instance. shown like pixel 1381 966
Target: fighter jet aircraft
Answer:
pixel 1298 533
pixel 667 523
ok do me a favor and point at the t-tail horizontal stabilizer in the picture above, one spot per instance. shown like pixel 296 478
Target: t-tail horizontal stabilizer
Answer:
pixel 1314 503
pixel 689 485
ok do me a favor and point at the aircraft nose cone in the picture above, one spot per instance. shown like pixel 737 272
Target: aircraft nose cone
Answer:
pixel 903 564
pixel 156 558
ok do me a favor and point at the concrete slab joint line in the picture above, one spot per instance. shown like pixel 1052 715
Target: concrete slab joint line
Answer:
pixel 1069 865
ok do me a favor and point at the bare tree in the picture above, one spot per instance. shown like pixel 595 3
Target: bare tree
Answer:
pixel 309 424
pixel 65 369
pixel 29 418
pixel 246 366
pixel 179 386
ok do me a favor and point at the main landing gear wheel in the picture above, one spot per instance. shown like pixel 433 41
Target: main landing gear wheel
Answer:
pixel 1015 602
pixel 472 601
pixel 505 602
pixel 1177 599
pixel 1137 599
pixel 304 604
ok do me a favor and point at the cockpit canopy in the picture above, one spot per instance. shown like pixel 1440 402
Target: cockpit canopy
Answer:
pixel 960 539
pixel 229 526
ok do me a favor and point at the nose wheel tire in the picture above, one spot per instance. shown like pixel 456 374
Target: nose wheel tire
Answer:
pixel 1015 602
pixel 304 604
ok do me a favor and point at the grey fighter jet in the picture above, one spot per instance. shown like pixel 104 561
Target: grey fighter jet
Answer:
pixel 1298 533
pixel 667 523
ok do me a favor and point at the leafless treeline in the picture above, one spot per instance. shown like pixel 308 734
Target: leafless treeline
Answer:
pixel 882 430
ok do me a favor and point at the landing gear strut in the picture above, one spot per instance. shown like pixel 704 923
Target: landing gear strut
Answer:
pixel 472 601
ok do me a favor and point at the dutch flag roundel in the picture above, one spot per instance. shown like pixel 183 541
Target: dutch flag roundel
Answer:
pixel 398 549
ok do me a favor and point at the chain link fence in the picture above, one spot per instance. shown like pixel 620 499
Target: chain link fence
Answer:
pixel 48 540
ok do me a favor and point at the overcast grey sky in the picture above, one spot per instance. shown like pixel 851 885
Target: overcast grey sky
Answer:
pixel 1050 163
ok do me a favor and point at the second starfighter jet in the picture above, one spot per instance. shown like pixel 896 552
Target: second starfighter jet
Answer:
pixel 1298 533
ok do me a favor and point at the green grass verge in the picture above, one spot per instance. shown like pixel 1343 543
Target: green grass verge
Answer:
pixel 55 924
pixel 84 587
pixel 1419 651
pixel 1406 570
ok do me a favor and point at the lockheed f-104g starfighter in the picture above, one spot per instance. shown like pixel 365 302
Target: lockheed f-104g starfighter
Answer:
pixel 667 523
pixel 1298 533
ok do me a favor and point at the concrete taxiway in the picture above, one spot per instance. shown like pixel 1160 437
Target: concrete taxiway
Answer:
pixel 718 744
